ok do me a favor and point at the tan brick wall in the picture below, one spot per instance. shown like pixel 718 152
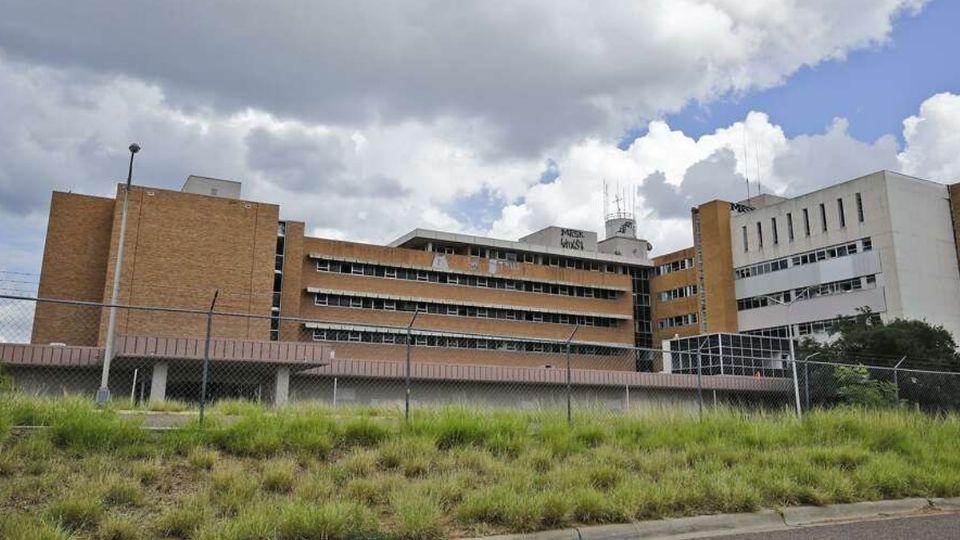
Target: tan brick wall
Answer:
pixel 461 263
pixel 293 288
pixel 680 306
pixel 74 268
pixel 721 301
pixel 622 306
pixel 180 248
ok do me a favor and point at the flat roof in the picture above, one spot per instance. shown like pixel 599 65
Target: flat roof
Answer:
pixel 419 237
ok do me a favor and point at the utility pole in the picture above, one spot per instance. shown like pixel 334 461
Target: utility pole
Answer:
pixel 103 394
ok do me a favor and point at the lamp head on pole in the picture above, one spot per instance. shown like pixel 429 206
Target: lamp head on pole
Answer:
pixel 134 148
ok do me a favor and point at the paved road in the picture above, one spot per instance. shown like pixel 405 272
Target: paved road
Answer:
pixel 936 526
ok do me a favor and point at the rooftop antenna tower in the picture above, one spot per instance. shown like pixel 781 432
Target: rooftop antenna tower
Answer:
pixel 758 167
pixel 746 166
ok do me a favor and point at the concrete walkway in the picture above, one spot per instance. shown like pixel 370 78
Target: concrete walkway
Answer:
pixel 723 525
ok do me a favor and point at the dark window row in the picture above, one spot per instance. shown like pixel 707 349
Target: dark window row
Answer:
pixel 679 292
pixel 675 266
pixel 679 320
pixel 803 329
pixel 468 280
pixel 805 293
pixel 801 259
pixel 533 258
pixel 436 308
pixel 458 342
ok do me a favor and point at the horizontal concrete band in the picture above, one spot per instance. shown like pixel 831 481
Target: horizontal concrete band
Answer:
pixel 292 353
pixel 557 376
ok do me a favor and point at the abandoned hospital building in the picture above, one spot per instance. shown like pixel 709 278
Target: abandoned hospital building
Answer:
pixel 298 311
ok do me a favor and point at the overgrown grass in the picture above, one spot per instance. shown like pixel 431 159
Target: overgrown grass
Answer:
pixel 307 472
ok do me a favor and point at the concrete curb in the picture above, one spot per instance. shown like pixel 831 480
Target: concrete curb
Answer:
pixel 727 524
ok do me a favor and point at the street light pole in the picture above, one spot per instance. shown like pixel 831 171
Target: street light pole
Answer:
pixel 103 394
pixel 793 354
pixel 806 377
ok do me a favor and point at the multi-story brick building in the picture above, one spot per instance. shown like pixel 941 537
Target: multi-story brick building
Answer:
pixel 884 241
pixel 476 300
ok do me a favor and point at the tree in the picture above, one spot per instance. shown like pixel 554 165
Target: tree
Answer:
pixel 855 387
pixel 865 339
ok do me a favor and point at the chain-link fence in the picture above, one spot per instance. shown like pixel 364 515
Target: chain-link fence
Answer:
pixel 164 358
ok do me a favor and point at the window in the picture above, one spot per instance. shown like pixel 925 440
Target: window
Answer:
pixel 746 245
pixel 776 235
pixel 760 234
pixel 859 208
pixel 843 218
pixel 823 217
pixel 789 226
pixel 806 222
pixel 390 272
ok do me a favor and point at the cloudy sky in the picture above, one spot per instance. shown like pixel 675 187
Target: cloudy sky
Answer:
pixel 366 119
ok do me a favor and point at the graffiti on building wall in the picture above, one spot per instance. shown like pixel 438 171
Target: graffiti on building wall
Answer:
pixel 440 262
pixel 625 226
pixel 572 239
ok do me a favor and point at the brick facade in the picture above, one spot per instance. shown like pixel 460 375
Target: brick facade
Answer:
pixel 181 247
pixel 74 268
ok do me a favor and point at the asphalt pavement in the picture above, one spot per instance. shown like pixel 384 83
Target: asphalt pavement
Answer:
pixel 922 527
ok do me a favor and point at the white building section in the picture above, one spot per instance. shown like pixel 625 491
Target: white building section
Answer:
pixel 883 241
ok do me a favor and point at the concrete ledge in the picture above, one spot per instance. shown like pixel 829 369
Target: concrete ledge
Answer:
pixel 808 515
pixel 765 520
pixel 561 534
pixel 947 505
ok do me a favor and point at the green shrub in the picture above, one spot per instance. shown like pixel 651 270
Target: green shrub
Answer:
pixel 255 435
pixel 17 527
pixel 120 492
pixel 147 472
pixel 363 432
pixel 331 520
pixel 360 462
pixel 855 387
pixel 202 458
pixel 232 488
pixel 77 425
pixel 119 528
pixel 279 475
pixel 184 520
pixel 418 516
pixel 76 512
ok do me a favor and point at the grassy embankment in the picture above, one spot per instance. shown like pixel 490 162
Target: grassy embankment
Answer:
pixel 310 473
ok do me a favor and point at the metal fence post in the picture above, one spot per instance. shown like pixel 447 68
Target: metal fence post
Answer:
pixel 896 380
pixel 206 357
pixel 699 385
pixel 569 377
pixel 406 398
pixel 806 382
